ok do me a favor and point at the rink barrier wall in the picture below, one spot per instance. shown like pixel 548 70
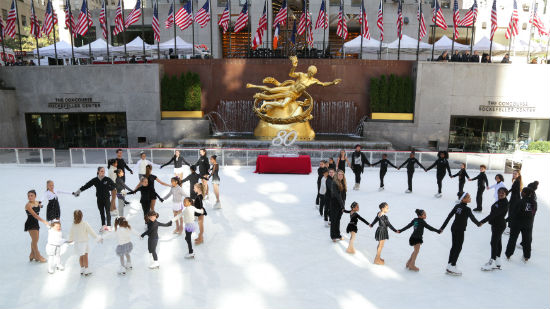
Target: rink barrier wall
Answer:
pixel 28 156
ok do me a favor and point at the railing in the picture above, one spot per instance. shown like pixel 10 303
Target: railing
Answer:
pixel 28 156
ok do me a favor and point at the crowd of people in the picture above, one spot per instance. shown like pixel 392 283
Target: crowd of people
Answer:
pixel 465 56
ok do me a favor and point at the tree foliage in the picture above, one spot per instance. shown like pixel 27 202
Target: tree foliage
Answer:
pixel 28 41
pixel 393 94
pixel 181 93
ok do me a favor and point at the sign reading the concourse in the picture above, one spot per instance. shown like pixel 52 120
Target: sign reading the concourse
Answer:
pixel 73 103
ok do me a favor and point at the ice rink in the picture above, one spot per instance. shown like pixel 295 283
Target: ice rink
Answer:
pixel 268 248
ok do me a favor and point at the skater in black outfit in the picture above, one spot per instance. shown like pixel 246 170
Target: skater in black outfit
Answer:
pixel 382 231
pixel 498 224
pixel 410 162
pixel 338 199
pixel 482 183
pixel 328 196
pixel 323 209
pixel 383 169
pixel 319 177
pixel 32 208
pixel 342 160
pixel 462 176
pixel 193 179
pixel 203 165
pixel 121 164
pixel 179 161
pixel 103 186
pixel 461 212
pixel 51 199
pixel 331 163
pixel 152 232
pixel 521 218
pixel 354 218
pixel 199 190
pixel 415 240
pixel 517 186
pixel 442 164
pixel 146 196
pixel 358 162
pixel 151 185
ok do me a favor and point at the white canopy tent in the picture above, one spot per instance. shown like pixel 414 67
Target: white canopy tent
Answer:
pixel 136 45
pixel 99 47
pixel 447 44
pixel 182 46
pixel 63 50
pixel 485 44
pixel 408 43
pixel 354 46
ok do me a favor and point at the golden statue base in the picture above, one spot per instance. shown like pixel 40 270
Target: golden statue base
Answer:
pixel 268 131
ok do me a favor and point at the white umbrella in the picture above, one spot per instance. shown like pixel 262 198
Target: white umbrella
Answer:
pixel 354 46
pixel 485 44
pixel 63 50
pixel 99 47
pixel 408 43
pixel 136 45
pixel 182 46
pixel 446 44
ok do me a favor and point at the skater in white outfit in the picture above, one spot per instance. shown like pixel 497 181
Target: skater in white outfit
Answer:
pixel 499 184
pixel 123 232
pixel 80 232
pixel 55 247
pixel 189 212
pixel 177 202
pixel 142 164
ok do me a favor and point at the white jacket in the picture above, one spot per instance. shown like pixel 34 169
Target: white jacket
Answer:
pixel 55 237
pixel 79 232
pixel 189 214
pixel 124 235
pixel 112 173
pixel 497 186
pixel 141 164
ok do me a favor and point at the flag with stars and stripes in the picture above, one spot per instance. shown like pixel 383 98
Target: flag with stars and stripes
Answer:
pixel 155 22
pixel 69 19
pixel 84 19
pixel 537 22
pixel 170 19
pixel 50 19
pixel 103 20
pixel 470 16
pixel 322 18
pixel 456 19
pixel 35 26
pixel 438 17
pixel 184 16
pixel 494 24
pixel 380 20
pixel 399 23
pixel 364 23
pixel 420 16
pixel 280 18
pixel 305 19
pixel 513 25
pixel 134 15
pixel 342 27
pixel 119 20
pixel 224 19
pixel 203 15
pixel 10 21
pixel 262 27
pixel 242 20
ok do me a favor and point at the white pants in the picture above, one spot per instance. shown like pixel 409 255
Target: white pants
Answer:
pixel 54 256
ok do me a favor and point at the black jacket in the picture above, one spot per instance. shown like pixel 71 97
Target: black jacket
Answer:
pixel 482 180
pixel 410 162
pixel 384 165
pixel 337 196
pixel 121 165
pixel 146 194
pixel 442 165
pixel 462 175
pixel 498 211
pixel 203 165
pixel 120 185
pixel 523 211
pixel 178 162
pixel 419 225
pixel 461 212
pixel 153 228
pixel 363 158
pixel 515 192
pixel 102 187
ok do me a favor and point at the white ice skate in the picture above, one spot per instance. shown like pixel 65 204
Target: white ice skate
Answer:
pixel 408 191
pixel 381 189
pixel 453 271
pixel 217 205
pixel 51 271
pixel 129 266
pixel 519 246
pixel 489 266
pixel 82 270
pixel 154 265
pixel 438 195
pixel 497 262
pixel 60 267
pixel 87 272
pixel 121 270
pixel 507 231
pixel 356 187
pixel 190 256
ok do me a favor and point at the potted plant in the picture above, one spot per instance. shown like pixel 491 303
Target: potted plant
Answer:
pixel 181 96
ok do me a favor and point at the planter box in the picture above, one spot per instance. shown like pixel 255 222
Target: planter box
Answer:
pixel 393 116
pixel 181 114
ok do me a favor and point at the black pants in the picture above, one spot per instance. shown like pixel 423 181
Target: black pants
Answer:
pixel 152 247
pixel 322 205
pixel 410 179
pixel 318 198
pixel 496 240
pixel 440 182
pixel 335 216
pixel 145 206
pixel 526 230
pixel 104 207
pixel 460 188
pixel 458 240
pixel 382 175
pixel 357 172
pixel 479 197
pixel 188 240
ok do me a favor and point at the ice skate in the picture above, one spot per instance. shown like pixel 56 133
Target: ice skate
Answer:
pixel 452 270
pixel 154 265
pixel 356 187
pixel 498 262
pixel 489 266
pixel 438 195
pixel 477 209
pixel 60 267
pixel 519 246
pixel 378 261
pixel 381 189
pixel 190 256
pixel 82 271
pixel 217 205
pixel 87 272
pixel 51 271
pixel 327 224
pixel 129 266
pixel 121 270
pixel 408 191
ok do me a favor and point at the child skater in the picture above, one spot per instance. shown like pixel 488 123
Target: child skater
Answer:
pixel 442 164
pixel 461 212
pixel 199 190
pixel 53 211
pixel 521 218
pixel 123 232
pixel 152 232
pixel 482 183
pixel 342 160
pixel 358 162
pixel 462 176
pixel 141 165
pixel 55 247
pixel 189 212
pixel 79 234
pixel 323 207
pixel 121 164
pixel 382 231
pixel 203 166
pixel 331 163
pixel 177 201
pixel 193 179
pixel 383 169
pixel 32 208
pixel 499 184
pixel 146 196
pixel 214 175
pixel 121 190
pixel 319 177
pixel 354 218
pixel 498 224
pixel 112 167
pixel 179 161
pixel 410 162
pixel 415 240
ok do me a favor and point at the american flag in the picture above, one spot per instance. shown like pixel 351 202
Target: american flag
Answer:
pixel 310 36
pixel 50 19
pixel 1 28
pixel 155 23
pixel 203 15
pixel 10 21
pixel 380 20
pixel 342 29
pixel 134 15
pixel 35 26
pixel 322 18
pixel 494 24
pixel 119 20
pixel 303 23
pixel 364 23
pixel 170 19
pixel 224 20
pixel 184 16
pixel 84 19
pixel 262 27
pixel 103 20
pixel 456 19
pixel 537 22
pixel 513 25
pixel 470 16
pixel 420 16
pixel 280 18
pixel 399 23
pixel 242 20
pixel 69 18
pixel 438 18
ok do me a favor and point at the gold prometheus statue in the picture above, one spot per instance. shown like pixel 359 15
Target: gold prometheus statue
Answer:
pixel 280 108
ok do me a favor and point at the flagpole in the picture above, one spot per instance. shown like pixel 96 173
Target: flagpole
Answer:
pixel 3 48
pixel 326 21
pixel 158 42
pixel 143 28
pixel 89 44
pixel 248 26
pixel 419 20
pixel 473 36
pixel 382 7
pixel 342 2
pixel 399 35
pixel 193 27
pixel 35 22
pixel 37 51
pixel 265 43
pixel 174 26
pixel 124 32
pixel 54 38
pixel 433 40
pixel 534 7
pixel 71 31
pixel 547 43
pixel 362 26
pixel 491 50
pixel 18 27
pixel 307 16
pixel 211 22
pixel 229 29
pixel 107 27
pixel 287 25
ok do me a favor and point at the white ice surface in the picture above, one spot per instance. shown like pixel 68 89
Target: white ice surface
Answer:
pixel 268 248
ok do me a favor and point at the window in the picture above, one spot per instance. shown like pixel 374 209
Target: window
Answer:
pixel 222 3
pixel 23 20
pixel 4 14
pixel 445 4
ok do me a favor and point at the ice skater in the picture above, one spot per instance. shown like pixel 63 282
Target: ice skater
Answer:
pixel 112 166
pixel 203 165
pixel 152 232
pixel 32 208
pixel 498 224
pixel 199 190
pixel 383 169
pixel 55 247
pixel 151 184
pixel 215 177
pixel 482 183
pixel 146 196
pixel 498 184
pixel 415 241
pixel 193 179
pixel 80 232
pixel 319 177
pixel 342 161
pixel 331 163
pixel 323 207
pixel 176 191
pixel 104 186
pixel 354 218
pixel 521 218
pixel 179 161
pixel 189 212
pixel 124 247
pixel 53 211
pixel 461 212
pixel 328 196
pixel 410 162
pixel 517 186
pixel 462 176
pixel 358 162
pixel 121 190
pixel 338 199
pixel 141 165
pixel 442 164
pixel 381 234
pixel 121 164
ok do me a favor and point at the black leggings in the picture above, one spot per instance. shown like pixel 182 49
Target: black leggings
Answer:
pixel 460 188
pixel 458 240
pixel 104 207
pixel 440 182
pixel 357 172
pixel 479 197
pixel 324 206
pixel 382 175
pixel 152 247
pixel 145 206
pixel 526 230
pixel 410 179
pixel 188 240
pixel 496 240
pixel 335 216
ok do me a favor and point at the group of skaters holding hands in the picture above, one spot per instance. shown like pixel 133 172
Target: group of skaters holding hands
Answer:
pixel 111 191
pixel 517 212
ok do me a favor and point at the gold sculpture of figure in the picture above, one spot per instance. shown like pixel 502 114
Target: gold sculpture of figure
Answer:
pixel 280 108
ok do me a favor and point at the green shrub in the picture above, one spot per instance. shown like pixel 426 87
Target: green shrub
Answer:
pixel 181 93
pixel 393 94
pixel 540 146
pixel 374 94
